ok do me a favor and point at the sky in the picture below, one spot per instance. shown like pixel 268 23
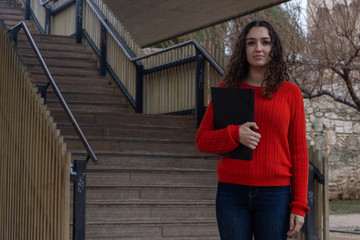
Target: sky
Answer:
pixel 303 4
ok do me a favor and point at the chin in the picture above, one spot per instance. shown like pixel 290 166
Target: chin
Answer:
pixel 258 64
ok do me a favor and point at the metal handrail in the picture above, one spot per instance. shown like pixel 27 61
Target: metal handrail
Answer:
pixel 197 45
pixel 88 148
pixel 44 3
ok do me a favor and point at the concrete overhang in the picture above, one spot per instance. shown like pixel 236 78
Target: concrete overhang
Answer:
pixel 153 21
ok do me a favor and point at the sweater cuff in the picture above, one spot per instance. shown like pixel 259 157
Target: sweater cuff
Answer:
pixel 299 209
pixel 234 132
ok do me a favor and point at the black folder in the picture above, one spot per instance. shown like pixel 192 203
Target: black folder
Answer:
pixel 233 106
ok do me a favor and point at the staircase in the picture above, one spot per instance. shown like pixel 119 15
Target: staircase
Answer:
pixel 151 182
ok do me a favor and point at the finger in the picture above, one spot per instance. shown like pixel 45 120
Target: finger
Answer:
pixel 292 221
pixel 299 224
pixel 255 139
pixel 252 124
pixel 291 225
pixel 257 135
pixel 252 147
pixel 290 233
pixel 295 230
pixel 297 227
pixel 299 221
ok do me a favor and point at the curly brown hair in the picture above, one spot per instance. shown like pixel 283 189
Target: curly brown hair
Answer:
pixel 238 68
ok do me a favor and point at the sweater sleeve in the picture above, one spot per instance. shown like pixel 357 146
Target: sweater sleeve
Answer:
pixel 299 155
pixel 214 141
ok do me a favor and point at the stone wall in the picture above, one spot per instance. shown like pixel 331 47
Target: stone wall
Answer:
pixel 334 129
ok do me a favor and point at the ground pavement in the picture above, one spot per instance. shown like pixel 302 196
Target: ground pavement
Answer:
pixel 344 227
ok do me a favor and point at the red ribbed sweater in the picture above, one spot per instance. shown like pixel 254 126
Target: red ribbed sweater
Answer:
pixel 281 157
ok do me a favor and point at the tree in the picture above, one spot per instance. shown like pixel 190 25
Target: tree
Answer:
pixel 328 62
pixel 323 59
pixel 225 34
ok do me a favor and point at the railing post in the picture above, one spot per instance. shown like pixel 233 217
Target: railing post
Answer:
pixel 139 87
pixel 310 221
pixel 14 35
pixel 79 208
pixel 79 14
pixel 42 90
pixel 47 19
pixel 103 50
pixel 27 10
pixel 200 74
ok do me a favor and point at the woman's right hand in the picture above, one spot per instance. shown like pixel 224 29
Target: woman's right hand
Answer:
pixel 248 137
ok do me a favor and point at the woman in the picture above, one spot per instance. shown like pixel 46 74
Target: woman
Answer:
pixel 254 197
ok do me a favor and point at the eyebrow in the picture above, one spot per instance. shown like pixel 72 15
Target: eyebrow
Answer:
pixel 261 38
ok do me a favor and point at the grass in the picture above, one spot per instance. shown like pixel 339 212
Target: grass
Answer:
pixel 344 207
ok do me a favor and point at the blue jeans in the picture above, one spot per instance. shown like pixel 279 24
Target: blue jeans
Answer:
pixel 244 211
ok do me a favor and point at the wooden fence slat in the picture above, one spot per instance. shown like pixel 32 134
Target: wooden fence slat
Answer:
pixel 325 197
pixel 29 159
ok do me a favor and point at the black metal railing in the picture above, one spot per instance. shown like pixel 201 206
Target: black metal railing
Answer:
pixel 48 13
pixel 201 56
pixel 106 27
pixel 78 170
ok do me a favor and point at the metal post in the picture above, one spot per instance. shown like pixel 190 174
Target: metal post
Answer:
pixel 139 87
pixel 103 33
pixel 79 212
pixel 310 221
pixel 42 90
pixel 27 10
pixel 47 19
pixel 79 14
pixel 14 35
pixel 200 72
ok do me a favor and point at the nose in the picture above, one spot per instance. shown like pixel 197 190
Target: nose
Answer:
pixel 258 47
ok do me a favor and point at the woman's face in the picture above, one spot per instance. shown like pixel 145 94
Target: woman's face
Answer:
pixel 258 47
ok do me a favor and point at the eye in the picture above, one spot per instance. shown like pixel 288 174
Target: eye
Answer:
pixel 266 42
pixel 250 43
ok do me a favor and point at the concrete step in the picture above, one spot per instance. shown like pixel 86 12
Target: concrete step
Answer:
pixel 102 214
pixel 47 38
pixel 132 119
pixel 151 178
pixel 60 62
pixel 88 94
pixel 71 81
pixel 151 161
pixel 173 194
pixel 149 167
pixel 52 53
pixel 89 107
pixel 128 119
pixel 11 7
pixel 64 71
pixel 30 25
pixel 205 230
pixel 11 14
pixel 135 132
pixel 53 46
pixel 134 146
pixel 77 91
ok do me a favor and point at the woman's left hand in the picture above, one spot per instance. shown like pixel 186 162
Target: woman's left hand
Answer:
pixel 296 222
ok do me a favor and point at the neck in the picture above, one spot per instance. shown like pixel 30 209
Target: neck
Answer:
pixel 256 76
